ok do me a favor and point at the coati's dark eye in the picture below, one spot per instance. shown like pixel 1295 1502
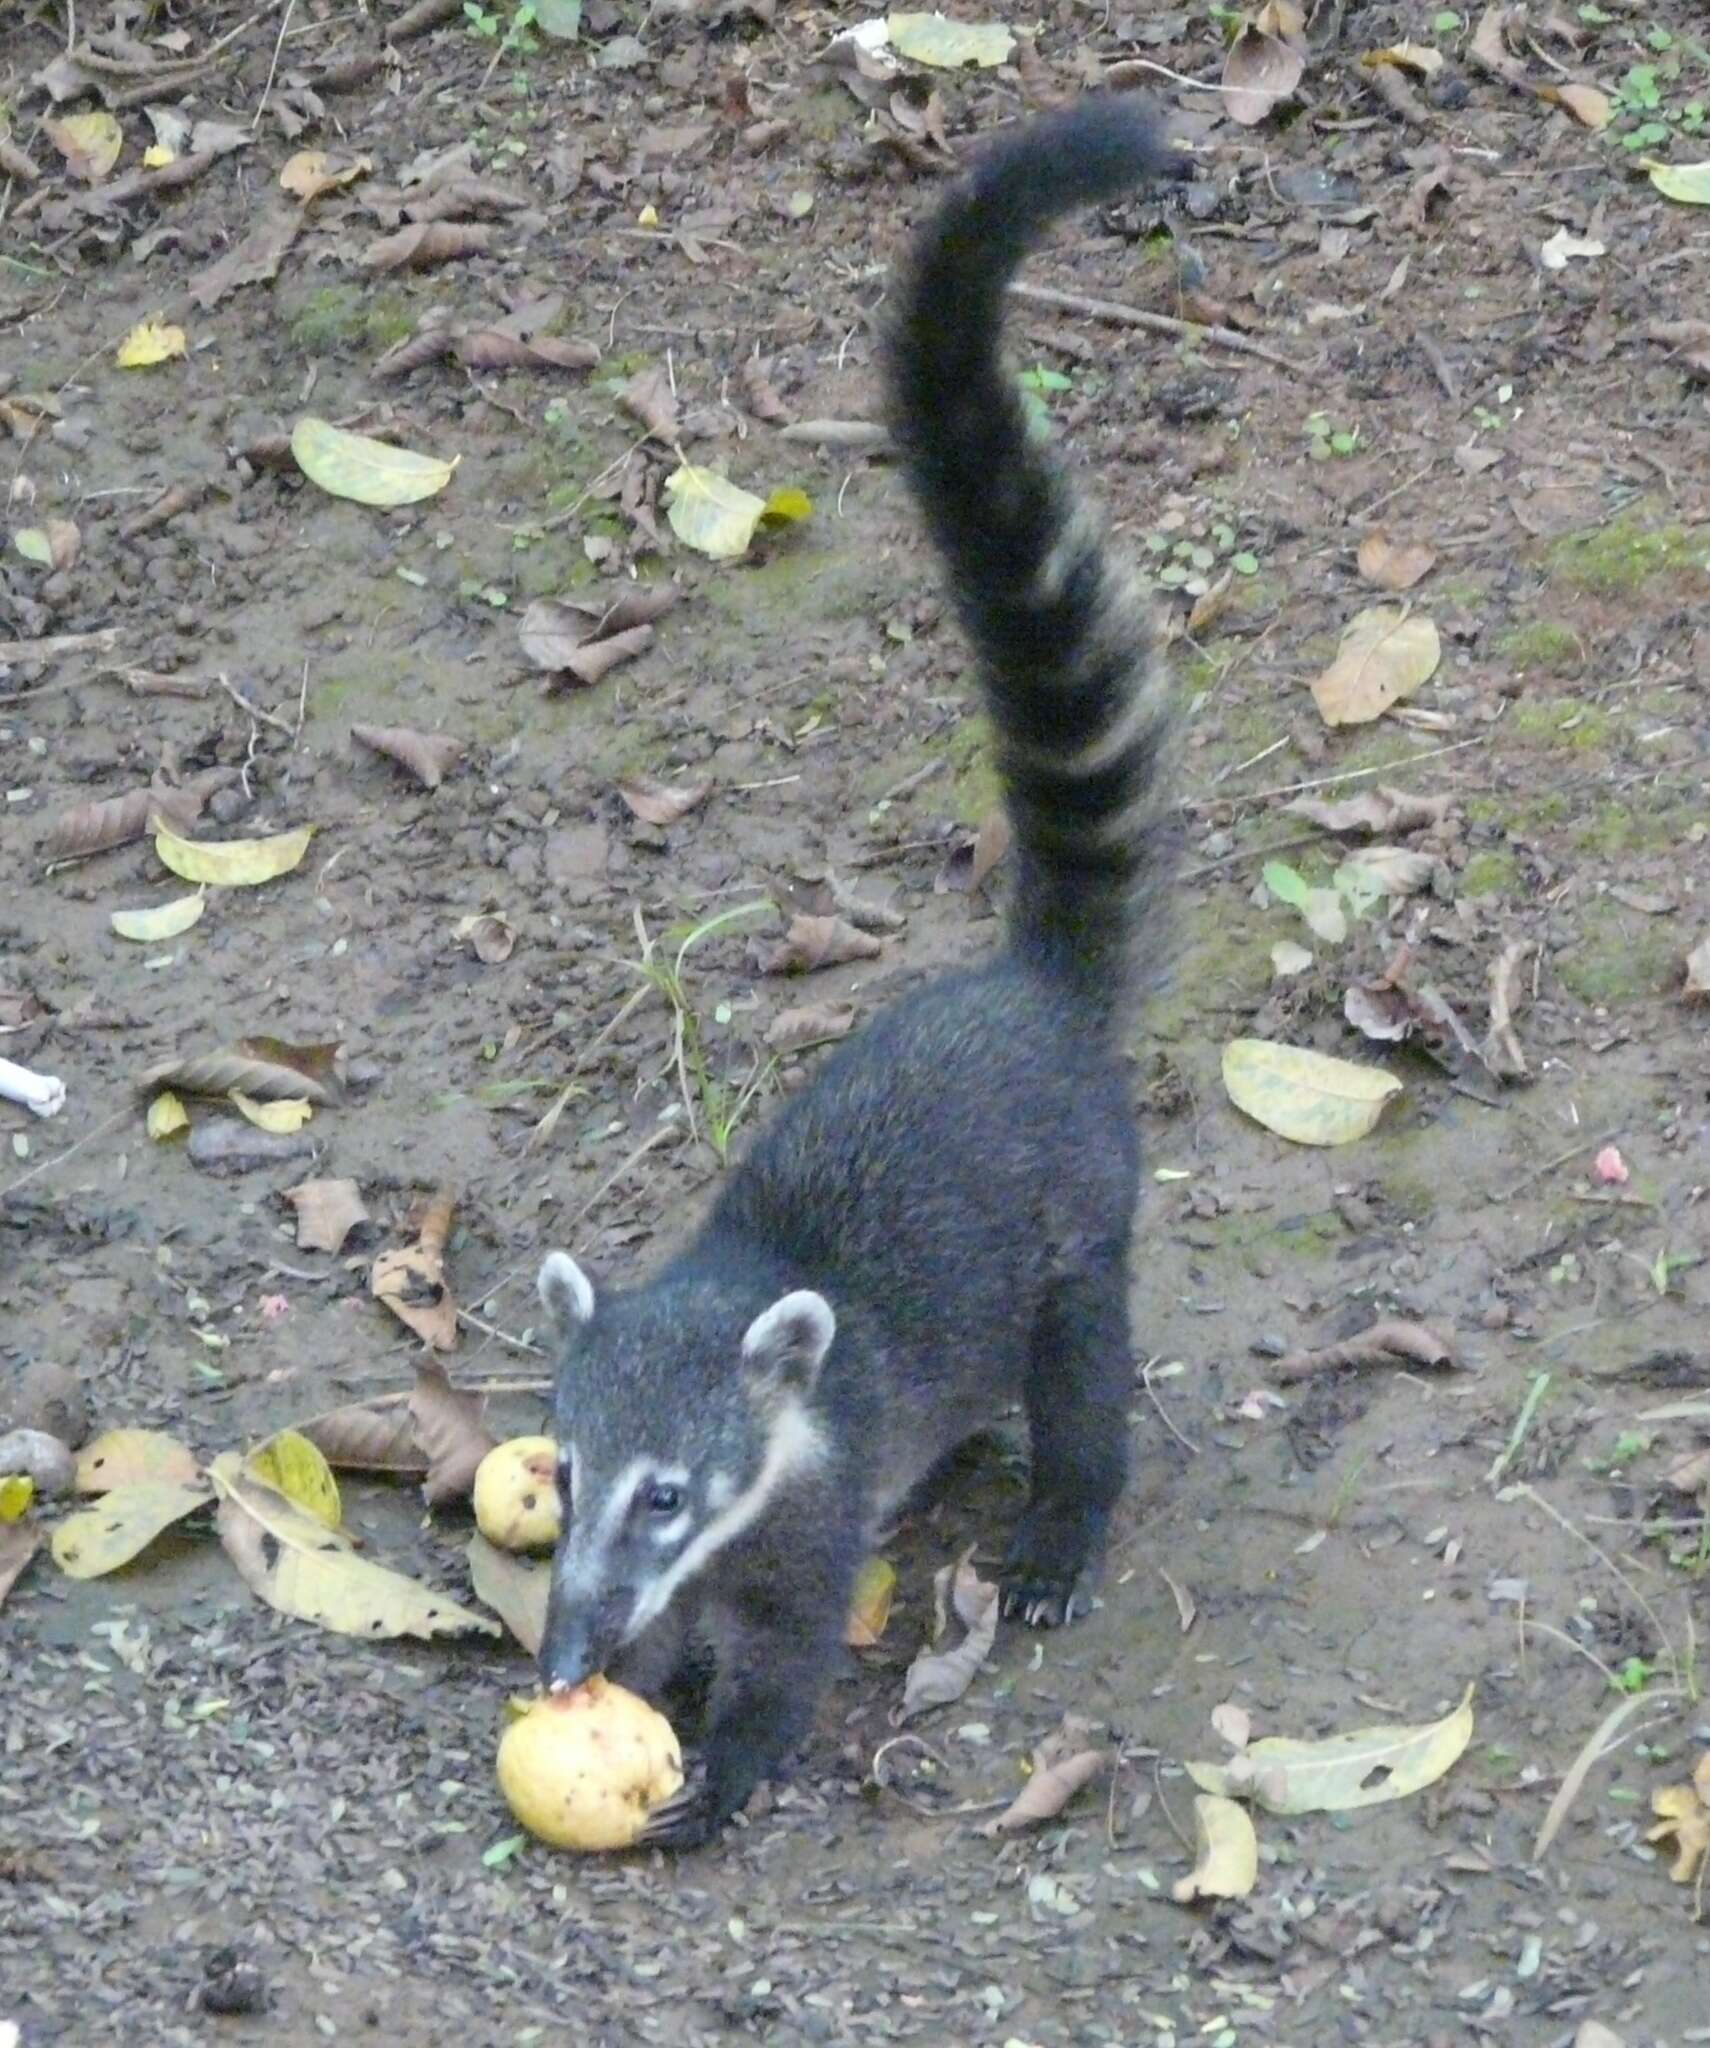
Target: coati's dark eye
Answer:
pixel 664 1500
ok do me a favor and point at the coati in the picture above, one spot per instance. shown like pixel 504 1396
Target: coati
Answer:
pixel 940 1224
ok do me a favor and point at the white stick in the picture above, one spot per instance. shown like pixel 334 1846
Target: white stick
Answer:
pixel 42 1093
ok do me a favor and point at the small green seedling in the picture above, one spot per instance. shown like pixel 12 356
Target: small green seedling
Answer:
pixel 1325 440
pixel 1634 1675
pixel 1038 387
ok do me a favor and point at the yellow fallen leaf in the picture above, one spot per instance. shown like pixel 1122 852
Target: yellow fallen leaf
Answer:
pixel 1226 1865
pixel 293 1466
pixel 100 1539
pixel 161 920
pixel 370 472
pixel 1305 1096
pixel 90 144
pixel 17 1490
pixel 1418 58
pixel 931 39
pixel 306 1570
pixel 149 342
pixel 1689 184
pixel 1684 1819
pixel 1589 107
pixel 788 505
pixel 648 217
pixel 311 172
pixel 231 863
pixel 711 514
pixel 870 1605
pixel 166 1114
pixel 281 1118
pixel 1361 1767
pixel 1385 655
pixel 134 1457
pixel 157 156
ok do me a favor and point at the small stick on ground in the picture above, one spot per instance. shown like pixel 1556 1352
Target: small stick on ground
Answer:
pixel 1119 315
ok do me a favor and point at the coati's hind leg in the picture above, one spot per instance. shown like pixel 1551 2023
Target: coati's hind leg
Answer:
pixel 1079 1373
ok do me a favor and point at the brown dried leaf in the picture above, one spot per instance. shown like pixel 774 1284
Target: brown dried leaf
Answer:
pixel 255 260
pixel 659 803
pixel 1385 1343
pixel 812 1024
pixel 492 938
pixel 487 348
pixel 515 1589
pixel 1060 1770
pixel 639 604
pixel 427 755
pixel 247 1072
pixel 1489 48
pixel 1382 810
pixel 1690 1474
pixel 312 172
pixel 813 942
pixel 760 395
pixel 327 1212
pixel 1502 1052
pixel 415 352
pixel 938 1677
pixel 451 1429
pixel 321 1064
pixel 1392 564
pixel 410 1279
pixel 464 199
pixel 970 864
pixel 1399 871
pixel 359 1438
pixel 19 1542
pixel 593 662
pixel 424 243
pixel 1386 655
pixel 116 820
pixel 1589 107
pixel 648 397
pixel 1697 984
pixel 1259 72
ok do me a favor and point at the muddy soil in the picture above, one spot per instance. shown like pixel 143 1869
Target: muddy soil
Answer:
pixel 1444 311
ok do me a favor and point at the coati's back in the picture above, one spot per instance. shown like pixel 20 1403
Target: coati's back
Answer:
pixel 940 1223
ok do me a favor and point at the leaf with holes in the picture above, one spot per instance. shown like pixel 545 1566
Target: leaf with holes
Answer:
pixel 134 1457
pixel 303 1569
pixel 1361 1767
pixel 100 1539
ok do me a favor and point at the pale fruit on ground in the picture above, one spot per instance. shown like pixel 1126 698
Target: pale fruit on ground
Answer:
pixel 584 1769
pixel 516 1494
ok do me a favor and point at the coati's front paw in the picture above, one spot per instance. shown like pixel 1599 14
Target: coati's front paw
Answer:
pixel 689 1819
pixel 1046 1576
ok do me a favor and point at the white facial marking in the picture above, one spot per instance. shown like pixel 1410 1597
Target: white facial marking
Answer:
pixel 672 1531
pixel 800 1322
pixel 721 1491
pixel 565 1290
pixel 582 1562
pixel 794 1445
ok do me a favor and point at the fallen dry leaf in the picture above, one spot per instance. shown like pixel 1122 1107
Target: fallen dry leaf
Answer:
pixel 312 171
pixel 1303 1095
pixel 1233 1722
pixel 258 1074
pixel 368 1438
pixel 490 348
pixel 648 397
pixel 937 1677
pixel 303 1569
pixel 1395 565
pixel 870 1604
pixel 254 260
pixel 515 1589
pixel 492 938
pixel 427 755
pixel 327 1212
pixel 410 1279
pixel 1690 1474
pixel 422 244
pixel 1388 1342
pixel 812 1024
pixel 1684 1819
pixel 760 395
pixel 117 820
pixel 1226 1860
pixel 1261 69
pixel 1697 984
pixel 1502 1051
pixel 1385 656
pixel 974 859
pixel 560 638
pixel 1589 107
pixel 449 1426
pixel 1397 871
pixel 101 1539
pixel 1360 1767
pixel 1381 811
pixel 1489 47
pixel 89 143
pixel 133 1457
pixel 813 942
pixel 1061 1766
pixel 19 1542
pixel 662 803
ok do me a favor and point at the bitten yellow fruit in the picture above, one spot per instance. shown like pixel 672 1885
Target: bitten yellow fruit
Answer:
pixel 585 1769
pixel 516 1494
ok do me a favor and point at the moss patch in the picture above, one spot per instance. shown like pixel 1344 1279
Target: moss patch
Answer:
pixel 339 317
pixel 1544 644
pixel 1490 874
pixel 1559 722
pixel 1620 957
pixel 1624 554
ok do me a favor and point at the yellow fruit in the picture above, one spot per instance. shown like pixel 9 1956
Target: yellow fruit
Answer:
pixel 516 1494
pixel 584 1769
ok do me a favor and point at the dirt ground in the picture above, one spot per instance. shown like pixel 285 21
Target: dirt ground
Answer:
pixel 1434 307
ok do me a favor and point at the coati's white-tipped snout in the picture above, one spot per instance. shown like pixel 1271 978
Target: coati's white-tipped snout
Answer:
pixel 786 1344
pixel 566 1292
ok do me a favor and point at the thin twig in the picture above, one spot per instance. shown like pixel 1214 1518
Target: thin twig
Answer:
pixel 1550 1165
pixel 1119 315
pixel 273 68
pixel 254 710
pixel 1254 796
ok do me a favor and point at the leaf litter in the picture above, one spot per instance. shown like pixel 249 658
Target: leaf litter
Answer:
pixel 410 1279
pixel 450 1426
pixel 937 1677
pixel 1340 1773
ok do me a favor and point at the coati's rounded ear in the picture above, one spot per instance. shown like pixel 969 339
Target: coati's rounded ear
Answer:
pixel 785 1345
pixel 566 1292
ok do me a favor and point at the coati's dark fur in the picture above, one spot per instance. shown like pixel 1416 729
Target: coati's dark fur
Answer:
pixel 940 1224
